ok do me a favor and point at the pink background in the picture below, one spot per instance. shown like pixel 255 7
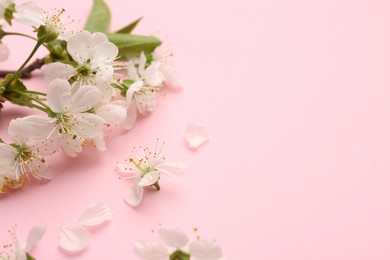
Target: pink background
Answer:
pixel 295 95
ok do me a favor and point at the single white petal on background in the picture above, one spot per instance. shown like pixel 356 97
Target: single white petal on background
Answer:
pixel 196 135
pixel 58 95
pixel 172 169
pixel 205 250
pixel 58 70
pixel 149 179
pixel 95 215
pixel 133 195
pixel 150 250
pixel 73 238
pixel 35 234
pixel 173 237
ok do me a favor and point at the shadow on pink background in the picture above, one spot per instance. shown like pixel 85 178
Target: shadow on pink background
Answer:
pixel 296 98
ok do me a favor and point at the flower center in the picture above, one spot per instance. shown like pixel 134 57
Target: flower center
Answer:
pixel 179 255
pixel 84 71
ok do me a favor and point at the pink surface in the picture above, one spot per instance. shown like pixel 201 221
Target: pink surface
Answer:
pixel 296 97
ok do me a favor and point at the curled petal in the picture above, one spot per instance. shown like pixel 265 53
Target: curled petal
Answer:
pixel 196 135
pixel 73 238
pixel 205 250
pixel 172 169
pixel 173 237
pixel 149 179
pixel 148 250
pixel 134 194
pixel 35 234
pixel 95 215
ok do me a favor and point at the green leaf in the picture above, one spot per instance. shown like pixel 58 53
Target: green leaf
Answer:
pixel 133 45
pixel 99 18
pixel 129 28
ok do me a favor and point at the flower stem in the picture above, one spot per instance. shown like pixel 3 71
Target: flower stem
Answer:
pixel 20 34
pixel 18 72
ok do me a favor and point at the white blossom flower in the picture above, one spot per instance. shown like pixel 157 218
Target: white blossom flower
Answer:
pixel 175 244
pixel 30 14
pixel 144 169
pixel 94 56
pixel 72 124
pixel 142 94
pixel 26 154
pixel 20 252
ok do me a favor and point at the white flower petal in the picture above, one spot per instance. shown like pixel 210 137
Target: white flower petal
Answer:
pixel 136 86
pixel 30 14
pixel 35 234
pixel 105 52
pixel 134 194
pixel 99 38
pixel 80 45
pixel 113 112
pixel 84 99
pixel 7 154
pixel 205 250
pixel 152 75
pixel 73 238
pixel 131 116
pixel 41 170
pixel 173 237
pixel 149 179
pixel 58 95
pixel 99 142
pixel 30 128
pixel 132 72
pixel 142 63
pixel 88 125
pixel 123 167
pixel 71 145
pixel 150 250
pixel 95 215
pixel 58 70
pixel 196 135
pixel 172 169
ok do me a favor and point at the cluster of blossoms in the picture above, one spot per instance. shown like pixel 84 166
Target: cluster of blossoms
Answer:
pixel 93 82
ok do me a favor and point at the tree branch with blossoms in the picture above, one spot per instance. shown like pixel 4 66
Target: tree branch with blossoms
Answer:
pixel 95 78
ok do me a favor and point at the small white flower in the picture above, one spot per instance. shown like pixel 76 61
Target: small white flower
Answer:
pixel 73 125
pixel 142 95
pixel 25 155
pixel 176 245
pixel 95 57
pixel 144 169
pixel 30 14
pixel 20 252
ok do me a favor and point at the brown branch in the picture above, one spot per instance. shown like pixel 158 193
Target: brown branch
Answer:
pixel 26 72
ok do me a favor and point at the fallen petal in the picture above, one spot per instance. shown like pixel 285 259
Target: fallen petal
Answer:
pixel 196 135
pixel 95 215
pixel 34 236
pixel 73 238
